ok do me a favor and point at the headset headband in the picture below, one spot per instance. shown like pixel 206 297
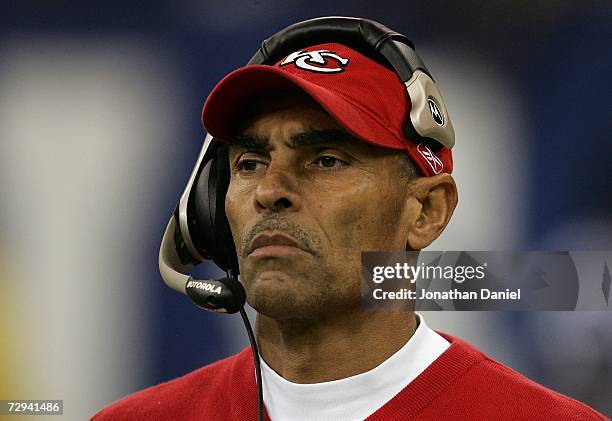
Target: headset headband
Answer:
pixel 364 35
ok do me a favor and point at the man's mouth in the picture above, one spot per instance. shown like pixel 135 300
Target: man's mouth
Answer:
pixel 275 244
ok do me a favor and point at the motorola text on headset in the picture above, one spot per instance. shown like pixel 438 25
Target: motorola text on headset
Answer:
pixel 198 230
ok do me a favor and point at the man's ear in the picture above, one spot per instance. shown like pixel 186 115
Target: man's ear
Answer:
pixel 433 201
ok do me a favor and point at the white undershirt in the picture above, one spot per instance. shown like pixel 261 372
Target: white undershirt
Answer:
pixel 355 397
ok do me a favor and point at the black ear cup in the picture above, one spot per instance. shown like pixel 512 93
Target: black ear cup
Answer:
pixel 211 231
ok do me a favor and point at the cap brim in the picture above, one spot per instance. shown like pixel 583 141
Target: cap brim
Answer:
pixel 239 88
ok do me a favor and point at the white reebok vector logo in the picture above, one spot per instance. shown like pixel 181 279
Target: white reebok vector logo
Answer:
pixel 315 61
pixel 434 162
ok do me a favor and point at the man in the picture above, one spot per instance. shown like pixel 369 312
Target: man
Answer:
pixel 320 172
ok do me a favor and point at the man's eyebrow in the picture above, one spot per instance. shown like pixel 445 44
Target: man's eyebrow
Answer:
pixel 332 137
pixel 323 137
pixel 247 141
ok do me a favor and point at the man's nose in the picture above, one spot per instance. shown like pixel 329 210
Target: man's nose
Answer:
pixel 277 191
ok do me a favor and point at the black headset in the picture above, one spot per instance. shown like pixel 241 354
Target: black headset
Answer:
pixel 199 230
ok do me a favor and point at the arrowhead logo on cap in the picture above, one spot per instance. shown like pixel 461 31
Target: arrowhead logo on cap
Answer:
pixel 315 61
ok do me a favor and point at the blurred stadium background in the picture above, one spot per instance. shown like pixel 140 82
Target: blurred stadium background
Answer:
pixel 100 128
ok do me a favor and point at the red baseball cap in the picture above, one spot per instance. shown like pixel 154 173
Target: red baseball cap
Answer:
pixel 366 98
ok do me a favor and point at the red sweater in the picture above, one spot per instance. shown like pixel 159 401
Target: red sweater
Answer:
pixel 462 384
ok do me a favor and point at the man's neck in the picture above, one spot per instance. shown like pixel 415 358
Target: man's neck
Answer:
pixel 315 351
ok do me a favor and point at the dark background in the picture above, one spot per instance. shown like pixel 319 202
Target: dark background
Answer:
pixel 554 57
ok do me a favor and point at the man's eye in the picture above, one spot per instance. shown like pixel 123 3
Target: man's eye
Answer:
pixel 328 161
pixel 249 165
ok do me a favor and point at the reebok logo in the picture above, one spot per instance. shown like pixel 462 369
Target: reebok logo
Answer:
pixel 434 162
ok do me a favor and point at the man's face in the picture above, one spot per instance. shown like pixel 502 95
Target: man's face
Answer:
pixel 297 173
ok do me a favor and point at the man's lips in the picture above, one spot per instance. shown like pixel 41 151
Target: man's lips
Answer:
pixel 274 244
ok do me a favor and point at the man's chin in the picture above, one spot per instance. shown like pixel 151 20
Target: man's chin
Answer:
pixel 281 296
pixel 272 271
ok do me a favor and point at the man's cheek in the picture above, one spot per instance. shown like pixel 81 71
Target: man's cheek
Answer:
pixel 233 217
pixel 347 229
